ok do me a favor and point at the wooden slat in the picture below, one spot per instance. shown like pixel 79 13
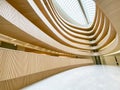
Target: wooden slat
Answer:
pixel 16 64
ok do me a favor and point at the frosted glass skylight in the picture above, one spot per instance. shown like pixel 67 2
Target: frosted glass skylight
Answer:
pixel 80 11
pixel 90 9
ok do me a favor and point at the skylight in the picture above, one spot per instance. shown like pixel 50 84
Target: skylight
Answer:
pixel 79 11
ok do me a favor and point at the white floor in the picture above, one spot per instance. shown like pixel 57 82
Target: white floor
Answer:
pixel 83 78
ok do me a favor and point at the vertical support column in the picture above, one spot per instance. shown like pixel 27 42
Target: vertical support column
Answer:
pixel 116 61
pixel 103 60
pixel 97 60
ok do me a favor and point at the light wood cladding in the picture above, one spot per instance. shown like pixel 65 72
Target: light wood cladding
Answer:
pixel 17 64
pixel 111 9
pixel 52 27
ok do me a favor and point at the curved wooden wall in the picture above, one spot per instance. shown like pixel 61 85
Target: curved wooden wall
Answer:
pixel 112 12
pixel 18 68
pixel 39 25
pixel 51 31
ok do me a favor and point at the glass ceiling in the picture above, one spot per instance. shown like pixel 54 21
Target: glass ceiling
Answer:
pixel 80 11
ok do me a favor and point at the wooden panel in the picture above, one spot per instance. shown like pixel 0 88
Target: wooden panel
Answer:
pixel 18 83
pixel 110 60
pixel 111 9
pixel 16 64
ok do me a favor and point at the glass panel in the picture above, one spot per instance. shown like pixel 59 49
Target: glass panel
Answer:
pixel 84 15
pixel 90 8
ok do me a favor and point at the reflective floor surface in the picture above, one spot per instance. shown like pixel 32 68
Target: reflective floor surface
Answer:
pixel 96 77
